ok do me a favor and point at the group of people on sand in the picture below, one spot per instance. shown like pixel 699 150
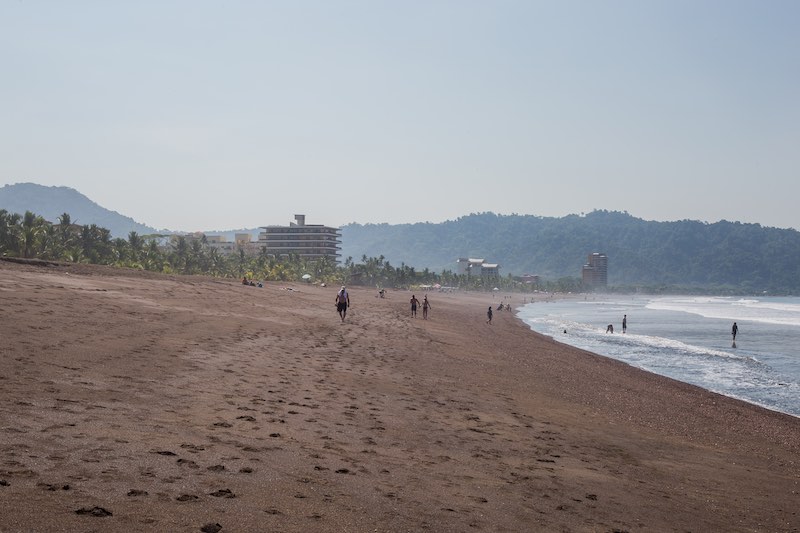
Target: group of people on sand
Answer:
pixel 425 306
pixel 251 282
pixel 490 315
pixel 343 302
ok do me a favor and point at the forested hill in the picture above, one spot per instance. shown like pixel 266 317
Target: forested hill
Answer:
pixel 686 253
pixel 52 202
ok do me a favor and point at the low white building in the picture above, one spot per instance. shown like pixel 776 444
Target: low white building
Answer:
pixel 242 241
pixel 478 267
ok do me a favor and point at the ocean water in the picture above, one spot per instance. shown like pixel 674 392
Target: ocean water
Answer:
pixel 688 338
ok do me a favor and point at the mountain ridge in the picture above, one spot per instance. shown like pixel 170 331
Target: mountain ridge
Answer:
pixel 688 253
pixel 50 202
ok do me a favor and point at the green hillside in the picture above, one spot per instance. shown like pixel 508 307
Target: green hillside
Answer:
pixel 745 257
pixel 52 202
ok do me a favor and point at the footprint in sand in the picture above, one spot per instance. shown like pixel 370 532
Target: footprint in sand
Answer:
pixel 50 487
pixel 188 463
pixel 94 511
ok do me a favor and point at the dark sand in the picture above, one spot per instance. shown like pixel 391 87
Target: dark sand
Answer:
pixel 139 402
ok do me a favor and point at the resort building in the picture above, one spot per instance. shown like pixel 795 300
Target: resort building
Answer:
pixel 309 241
pixel 478 267
pixel 242 241
pixel 528 279
pixel 595 271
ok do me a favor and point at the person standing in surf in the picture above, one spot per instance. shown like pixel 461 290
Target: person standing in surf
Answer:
pixel 624 323
pixel 734 331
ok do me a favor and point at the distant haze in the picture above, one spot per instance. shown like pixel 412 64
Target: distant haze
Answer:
pixel 198 114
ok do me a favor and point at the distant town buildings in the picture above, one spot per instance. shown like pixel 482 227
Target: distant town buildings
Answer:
pixel 304 240
pixel 595 271
pixel 528 279
pixel 242 241
pixel 478 267
pixel 309 241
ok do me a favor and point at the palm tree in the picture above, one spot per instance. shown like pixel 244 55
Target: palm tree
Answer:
pixel 49 246
pixel 216 263
pixel 241 262
pixel 153 259
pixel 196 256
pixel 9 229
pixel 96 246
pixel 122 252
pixel 32 228
pixel 65 230
pixel 180 253
pixel 88 245
pixel 135 245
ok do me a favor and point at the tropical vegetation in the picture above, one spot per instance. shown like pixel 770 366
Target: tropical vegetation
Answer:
pixel 644 256
pixel 30 236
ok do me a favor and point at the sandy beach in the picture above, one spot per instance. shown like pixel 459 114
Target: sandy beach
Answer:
pixel 142 402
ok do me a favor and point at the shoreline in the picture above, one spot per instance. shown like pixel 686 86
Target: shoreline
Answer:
pixel 621 358
pixel 180 402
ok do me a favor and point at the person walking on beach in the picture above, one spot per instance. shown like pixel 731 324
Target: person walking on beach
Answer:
pixel 489 315
pixel 414 304
pixel 734 331
pixel 342 301
pixel 425 306
pixel 624 323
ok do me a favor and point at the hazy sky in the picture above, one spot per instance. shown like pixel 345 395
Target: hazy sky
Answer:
pixel 202 115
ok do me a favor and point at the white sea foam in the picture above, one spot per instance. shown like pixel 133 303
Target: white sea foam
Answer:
pixel 765 312
pixel 629 341
pixel 688 338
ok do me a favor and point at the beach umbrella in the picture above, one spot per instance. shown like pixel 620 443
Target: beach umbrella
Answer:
pixel 306 276
pixel 495 289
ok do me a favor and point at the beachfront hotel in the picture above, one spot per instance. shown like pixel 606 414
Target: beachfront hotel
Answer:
pixel 471 267
pixel 309 241
pixel 595 271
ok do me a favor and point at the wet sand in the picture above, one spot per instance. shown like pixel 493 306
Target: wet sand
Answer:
pixel 140 402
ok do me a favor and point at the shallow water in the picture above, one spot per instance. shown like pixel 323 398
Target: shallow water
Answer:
pixel 688 338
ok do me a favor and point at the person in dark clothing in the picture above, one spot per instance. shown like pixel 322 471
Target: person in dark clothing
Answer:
pixel 342 302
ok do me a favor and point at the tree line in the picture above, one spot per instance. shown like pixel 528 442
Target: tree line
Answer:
pixel 31 236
